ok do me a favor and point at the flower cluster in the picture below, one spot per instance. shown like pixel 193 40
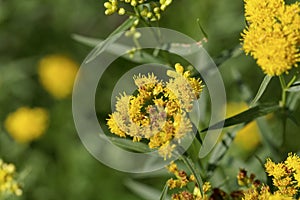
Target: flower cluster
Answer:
pixel 8 184
pixel 285 177
pixel 57 74
pixel 158 112
pixel 272 36
pixel 27 124
pixel 148 10
pixel 182 179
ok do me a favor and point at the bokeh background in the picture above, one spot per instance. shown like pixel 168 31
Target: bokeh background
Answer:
pixel 56 165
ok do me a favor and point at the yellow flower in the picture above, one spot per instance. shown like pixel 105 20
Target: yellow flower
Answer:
pixel 149 11
pixel 248 137
pixel 26 124
pixel 158 112
pixel 273 35
pixel 57 74
pixel 8 184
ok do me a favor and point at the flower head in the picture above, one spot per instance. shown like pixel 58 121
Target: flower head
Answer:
pixel 148 10
pixel 158 112
pixel 27 124
pixel 57 74
pixel 273 35
pixel 8 184
pixel 182 180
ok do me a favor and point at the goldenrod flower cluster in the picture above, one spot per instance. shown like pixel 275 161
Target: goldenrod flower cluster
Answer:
pixel 158 112
pixel 27 124
pixel 8 184
pixel 57 74
pixel 182 179
pixel 285 177
pixel 272 36
pixel 148 10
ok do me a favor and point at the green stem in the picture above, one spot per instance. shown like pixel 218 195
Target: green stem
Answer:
pixel 282 103
pixel 190 166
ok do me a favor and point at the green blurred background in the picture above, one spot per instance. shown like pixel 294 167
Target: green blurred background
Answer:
pixel 57 166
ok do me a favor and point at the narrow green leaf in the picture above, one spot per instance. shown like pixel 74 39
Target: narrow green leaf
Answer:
pixel 293 100
pixel 111 38
pixel 245 116
pixel 201 28
pixel 129 144
pixel 190 165
pixel 261 89
pixel 221 149
pixel 295 87
pixel 117 49
pixel 164 193
pixel 142 190
pixel 89 41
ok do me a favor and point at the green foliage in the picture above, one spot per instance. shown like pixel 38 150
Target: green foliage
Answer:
pixel 57 166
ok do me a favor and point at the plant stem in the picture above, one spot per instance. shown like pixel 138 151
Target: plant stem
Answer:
pixel 282 103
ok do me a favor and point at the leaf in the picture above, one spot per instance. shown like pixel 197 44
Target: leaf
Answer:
pixel 221 149
pixel 111 38
pixel 245 116
pixel 164 193
pixel 261 89
pixel 201 28
pixel 142 190
pixel 89 41
pixel 119 49
pixel 293 100
pixel 295 87
pixel 190 165
pixel 128 144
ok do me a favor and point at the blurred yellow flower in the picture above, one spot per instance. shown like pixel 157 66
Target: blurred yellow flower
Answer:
pixel 248 137
pixel 273 35
pixel 57 74
pixel 8 184
pixel 26 124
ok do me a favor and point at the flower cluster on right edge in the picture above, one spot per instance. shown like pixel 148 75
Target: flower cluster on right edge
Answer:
pixel 285 184
pixel 285 181
pixel 272 36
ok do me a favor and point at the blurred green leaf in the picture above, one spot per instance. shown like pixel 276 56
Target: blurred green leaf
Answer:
pixel 89 41
pixel 245 116
pixel 144 191
pixel 201 28
pixel 261 89
pixel 129 144
pixel 164 192
pixel 221 149
pixel 295 87
pixel 139 57
pixel 111 38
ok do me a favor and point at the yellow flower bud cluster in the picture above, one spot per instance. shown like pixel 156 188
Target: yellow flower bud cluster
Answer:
pixel 148 10
pixel 181 181
pixel 8 184
pixel 158 112
pixel 285 181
